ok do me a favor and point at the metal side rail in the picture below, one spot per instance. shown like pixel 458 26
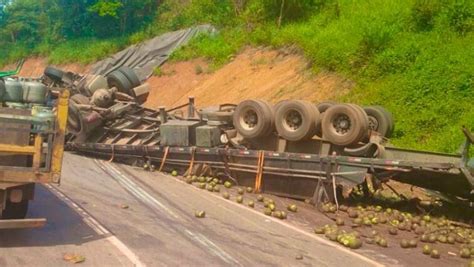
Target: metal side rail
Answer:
pixel 293 175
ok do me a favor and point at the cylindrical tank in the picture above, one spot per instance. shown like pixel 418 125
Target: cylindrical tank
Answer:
pixel 34 91
pixel 13 90
pixel 45 114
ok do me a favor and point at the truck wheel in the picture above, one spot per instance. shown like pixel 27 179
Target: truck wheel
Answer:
pixel 279 104
pixel 323 106
pixel 54 73
pixel 118 80
pixel 378 120
pixel 296 120
pixel 74 120
pixel 364 121
pixel 253 118
pixel 390 119
pixel 15 210
pixel 343 125
pixel 131 76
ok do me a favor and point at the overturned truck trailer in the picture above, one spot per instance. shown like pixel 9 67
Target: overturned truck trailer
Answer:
pixel 294 149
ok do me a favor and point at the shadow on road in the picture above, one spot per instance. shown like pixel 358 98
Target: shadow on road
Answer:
pixel 64 225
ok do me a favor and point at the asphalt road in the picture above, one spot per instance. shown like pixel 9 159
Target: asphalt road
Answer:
pixel 87 216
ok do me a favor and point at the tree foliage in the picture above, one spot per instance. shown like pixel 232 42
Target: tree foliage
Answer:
pixel 35 21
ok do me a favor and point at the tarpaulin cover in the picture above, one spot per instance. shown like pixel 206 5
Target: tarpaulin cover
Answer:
pixel 143 58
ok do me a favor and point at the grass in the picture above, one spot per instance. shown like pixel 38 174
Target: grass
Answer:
pixel 413 57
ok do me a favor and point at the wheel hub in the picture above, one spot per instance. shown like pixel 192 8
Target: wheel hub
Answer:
pixel 293 120
pixel 342 124
pixel 250 119
pixel 373 123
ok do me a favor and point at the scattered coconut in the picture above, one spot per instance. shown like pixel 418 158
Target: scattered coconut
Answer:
pixel 239 199
pixel 226 195
pixel 200 214
pixel 292 208
pixel 251 204
pixel 435 254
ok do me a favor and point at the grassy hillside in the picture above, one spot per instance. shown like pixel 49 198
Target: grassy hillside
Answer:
pixel 415 57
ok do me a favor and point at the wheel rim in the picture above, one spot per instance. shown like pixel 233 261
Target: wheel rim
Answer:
pixel 373 123
pixel 293 120
pixel 249 119
pixel 342 124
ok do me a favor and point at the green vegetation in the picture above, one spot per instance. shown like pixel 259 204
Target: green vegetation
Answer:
pixel 416 57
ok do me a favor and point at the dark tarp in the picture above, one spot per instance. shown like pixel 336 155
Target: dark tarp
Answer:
pixel 143 58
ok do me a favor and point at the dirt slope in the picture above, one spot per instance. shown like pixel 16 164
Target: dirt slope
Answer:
pixel 255 73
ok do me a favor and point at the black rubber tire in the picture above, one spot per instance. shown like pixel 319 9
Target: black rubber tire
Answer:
pixel 323 106
pixel 74 123
pixel 54 73
pixel 390 119
pixel 279 104
pixel 364 122
pixel 15 210
pixel 261 111
pixel 118 80
pixel 378 120
pixel 307 115
pixel 131 76
pixel 79 99
pixel 355 130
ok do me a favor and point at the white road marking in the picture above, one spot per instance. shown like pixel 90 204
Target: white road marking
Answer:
pixel 213 248
pixel 98 228
pixel 145 197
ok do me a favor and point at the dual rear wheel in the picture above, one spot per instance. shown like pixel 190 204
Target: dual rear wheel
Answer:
pixel 297 120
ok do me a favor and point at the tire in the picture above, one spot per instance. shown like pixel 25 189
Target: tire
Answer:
pixel 54 73
pixel 344 125
pixel 390 119
pixel 296 120
pixel 378 120
pixel 79 99
pixel 279 104
pixel 364 121
pixel 253 118
pixel 74 119
pixel 118 80
pixel 323 106
pixel 15 210
pixel 131 76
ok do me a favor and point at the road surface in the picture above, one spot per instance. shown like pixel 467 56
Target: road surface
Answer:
pixel 116 215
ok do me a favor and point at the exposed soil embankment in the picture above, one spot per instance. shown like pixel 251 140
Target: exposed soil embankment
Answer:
pixel 267 74
pixel 255 73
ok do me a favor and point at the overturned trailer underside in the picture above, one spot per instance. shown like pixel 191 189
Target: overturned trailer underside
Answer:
pixel 282 170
